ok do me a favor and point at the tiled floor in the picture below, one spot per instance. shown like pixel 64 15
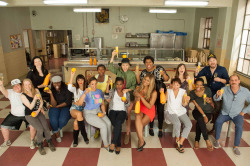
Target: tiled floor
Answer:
pixel 157 152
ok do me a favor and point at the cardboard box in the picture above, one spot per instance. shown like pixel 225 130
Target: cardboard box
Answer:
pixel 192 53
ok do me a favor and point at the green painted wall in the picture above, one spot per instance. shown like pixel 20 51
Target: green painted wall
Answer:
pixel 140 21
pixel 203 13
pixel 13 20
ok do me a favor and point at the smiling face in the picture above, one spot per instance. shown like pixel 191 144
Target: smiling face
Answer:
pixel 212 62
pixel 125 67
pixel 146 81
pixel 27 85
pixel 199 85
pixel 93 85
pixel 38 63
pixel 181 69
pixel 101 71
pixel 149 64
pixel 176 85
pixel 119 85
pixel 234 81
pixel 57 85
pixel 17 88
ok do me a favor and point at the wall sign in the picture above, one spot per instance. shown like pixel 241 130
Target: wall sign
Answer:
pixel 118 29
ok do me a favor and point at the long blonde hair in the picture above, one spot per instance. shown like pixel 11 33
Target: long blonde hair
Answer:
pixel 33 91
pixel 151 87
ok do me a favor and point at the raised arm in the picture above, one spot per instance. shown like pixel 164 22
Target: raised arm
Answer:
pixel 3 90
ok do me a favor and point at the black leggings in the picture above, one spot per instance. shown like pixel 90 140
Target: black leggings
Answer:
pixel 117 118
pixel 201 125
pixel 160 112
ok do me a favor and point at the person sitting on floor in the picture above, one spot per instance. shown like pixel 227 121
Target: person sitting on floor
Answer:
pixel 16 116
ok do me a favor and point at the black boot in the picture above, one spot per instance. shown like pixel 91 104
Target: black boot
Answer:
pixel 41 148
pixel 75 137
pixel 81 126
pixel 51 145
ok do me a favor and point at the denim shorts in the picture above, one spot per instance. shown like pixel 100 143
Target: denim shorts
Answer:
pixel 76 107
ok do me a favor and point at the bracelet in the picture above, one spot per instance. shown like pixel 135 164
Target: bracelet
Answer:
pixel 204 115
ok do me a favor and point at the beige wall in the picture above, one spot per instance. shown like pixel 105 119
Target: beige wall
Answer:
pixel 15 63
pixel 2 66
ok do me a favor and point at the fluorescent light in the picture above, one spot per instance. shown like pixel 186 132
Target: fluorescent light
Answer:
pixel 162 11
pixel 2 3
pixel 78 10
pixel 186 3
pixel 64 2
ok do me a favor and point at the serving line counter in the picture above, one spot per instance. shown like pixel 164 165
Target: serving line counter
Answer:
pixel 79 59
pixel 83 67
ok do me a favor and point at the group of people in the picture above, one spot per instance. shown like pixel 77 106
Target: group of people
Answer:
pixel 103 104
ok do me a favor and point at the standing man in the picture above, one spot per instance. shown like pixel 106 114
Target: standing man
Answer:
pixel 234 98
pixel 217 77
pixel 14 120
pixel 160 76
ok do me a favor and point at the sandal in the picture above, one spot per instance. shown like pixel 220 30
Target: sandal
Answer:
pixel 180 148
pixel 196 145
pixel 210 146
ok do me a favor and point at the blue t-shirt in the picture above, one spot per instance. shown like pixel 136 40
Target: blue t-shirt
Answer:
pixel 94 101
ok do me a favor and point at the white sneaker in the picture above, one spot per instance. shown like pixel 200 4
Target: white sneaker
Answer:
pixel 58 139
pixel 5 144
pixel 33 144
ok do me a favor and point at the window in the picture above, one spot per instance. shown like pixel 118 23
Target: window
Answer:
pixel 244 52
pixel 205 32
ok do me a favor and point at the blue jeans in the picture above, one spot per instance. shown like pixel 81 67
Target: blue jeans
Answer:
pixel 238 121
pixel 58 118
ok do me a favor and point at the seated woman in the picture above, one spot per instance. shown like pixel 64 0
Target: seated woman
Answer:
pixel 129 85
pixel 31 99
pixel 118 108
pixel 176 112
pixel 37 76
pixel 76 110
pixel 147 95
pixel 95 116
pixel 202 112
pixel 60 101
pixel 102 79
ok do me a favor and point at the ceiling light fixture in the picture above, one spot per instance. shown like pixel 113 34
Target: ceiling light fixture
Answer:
pixel 64 2
pixel 162 11
pixel 79 10
pixel 2 3
pixel 186 3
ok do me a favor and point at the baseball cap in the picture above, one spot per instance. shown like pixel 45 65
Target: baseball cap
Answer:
pixel 56 79
pixel 211 56
pixel 124 60
pixel 15 81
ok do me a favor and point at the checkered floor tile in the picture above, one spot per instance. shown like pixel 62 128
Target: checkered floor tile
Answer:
pixel 158 151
